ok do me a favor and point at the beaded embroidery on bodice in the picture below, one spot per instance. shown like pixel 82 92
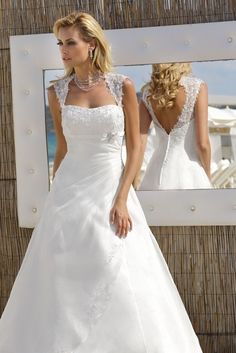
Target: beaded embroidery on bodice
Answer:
pixel 192 86
pixel 105 122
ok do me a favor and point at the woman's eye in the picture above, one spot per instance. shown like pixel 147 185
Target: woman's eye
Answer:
pixel 68 43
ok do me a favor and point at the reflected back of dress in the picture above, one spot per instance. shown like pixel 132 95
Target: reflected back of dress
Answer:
pixel 175 163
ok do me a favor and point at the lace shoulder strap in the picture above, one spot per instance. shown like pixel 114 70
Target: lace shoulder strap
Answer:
pixel 146 102
pixel 61 89
pixel 115 82
pixel 192 86
pixel 144 97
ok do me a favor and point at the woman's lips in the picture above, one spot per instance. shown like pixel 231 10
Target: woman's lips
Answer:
pixel 66 59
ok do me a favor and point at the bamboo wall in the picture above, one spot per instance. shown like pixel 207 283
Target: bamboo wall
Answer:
pixel 201 259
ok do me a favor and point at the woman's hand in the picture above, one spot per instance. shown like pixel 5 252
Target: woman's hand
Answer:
pixel 120 217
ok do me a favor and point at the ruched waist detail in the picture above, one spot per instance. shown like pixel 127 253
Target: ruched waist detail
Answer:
pixel 95 143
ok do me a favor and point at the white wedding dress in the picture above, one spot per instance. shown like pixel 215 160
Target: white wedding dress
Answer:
pixel 174 163
pixel 81 288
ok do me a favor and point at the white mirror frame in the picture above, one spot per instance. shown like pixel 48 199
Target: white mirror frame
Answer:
pixel 31 54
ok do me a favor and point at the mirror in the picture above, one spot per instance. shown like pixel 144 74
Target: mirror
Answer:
pixel 49 75
pixel 183 169
pixel 33 55
pixel 220 77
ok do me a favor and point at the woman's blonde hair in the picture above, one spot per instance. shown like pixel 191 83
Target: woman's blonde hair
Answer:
pixel 164 83
pixel 89 30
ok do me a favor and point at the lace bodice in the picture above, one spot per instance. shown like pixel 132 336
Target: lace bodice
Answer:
pixel 104 122
pixel 192 86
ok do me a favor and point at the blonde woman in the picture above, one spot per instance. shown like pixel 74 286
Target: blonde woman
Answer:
pixel 94 279
pixel 177 103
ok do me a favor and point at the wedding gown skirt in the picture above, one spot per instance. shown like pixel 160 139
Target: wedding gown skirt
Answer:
pixel 81 288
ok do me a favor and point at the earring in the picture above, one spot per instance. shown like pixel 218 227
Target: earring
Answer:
pixel 90 53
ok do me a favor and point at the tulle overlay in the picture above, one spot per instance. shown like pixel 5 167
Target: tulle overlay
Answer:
pixel 80 288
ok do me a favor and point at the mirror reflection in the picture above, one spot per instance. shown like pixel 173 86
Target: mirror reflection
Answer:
pixel 175 150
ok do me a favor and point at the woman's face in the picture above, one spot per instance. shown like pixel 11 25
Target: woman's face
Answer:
pixel 73 49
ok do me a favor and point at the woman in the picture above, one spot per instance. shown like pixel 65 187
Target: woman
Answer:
pixel 94 279
pixel 177 103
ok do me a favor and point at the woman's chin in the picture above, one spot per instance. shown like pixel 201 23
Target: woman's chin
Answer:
pixel 68 64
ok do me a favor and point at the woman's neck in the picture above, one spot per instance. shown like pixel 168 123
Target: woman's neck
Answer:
pixel 84 72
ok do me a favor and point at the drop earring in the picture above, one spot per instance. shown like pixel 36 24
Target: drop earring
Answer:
pixel 90 53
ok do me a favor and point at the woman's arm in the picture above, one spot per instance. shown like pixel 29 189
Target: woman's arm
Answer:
pixel 132 136
pixel 119 213
pixel 145 122
pixel 61 146
pixel 202 134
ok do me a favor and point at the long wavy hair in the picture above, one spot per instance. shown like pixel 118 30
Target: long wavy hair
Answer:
pixel 89 30
pixel 164 83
